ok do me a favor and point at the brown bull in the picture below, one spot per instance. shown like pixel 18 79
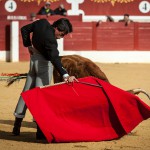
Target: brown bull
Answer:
pixel 79 67
pixel 83 67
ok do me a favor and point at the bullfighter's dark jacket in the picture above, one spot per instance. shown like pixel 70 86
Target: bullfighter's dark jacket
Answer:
pixel 43 39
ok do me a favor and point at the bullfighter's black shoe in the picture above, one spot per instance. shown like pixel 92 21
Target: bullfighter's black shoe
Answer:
pixel 17 126
pixel 39 134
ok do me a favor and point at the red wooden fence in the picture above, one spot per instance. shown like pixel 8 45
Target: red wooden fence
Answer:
pixel 108 36
pixel 87 37
pixel 4 35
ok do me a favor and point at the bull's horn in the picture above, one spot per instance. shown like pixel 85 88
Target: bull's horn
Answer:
pixel 137 91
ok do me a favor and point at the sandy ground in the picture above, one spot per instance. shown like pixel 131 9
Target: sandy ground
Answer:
pixel 125 76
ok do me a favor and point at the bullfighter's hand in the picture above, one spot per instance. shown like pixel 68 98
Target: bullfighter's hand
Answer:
pixel 70 79
pixel 30 49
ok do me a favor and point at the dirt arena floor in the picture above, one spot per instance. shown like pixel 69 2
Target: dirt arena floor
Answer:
pixel 125 76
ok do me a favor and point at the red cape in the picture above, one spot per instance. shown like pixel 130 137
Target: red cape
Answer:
pixel 82 112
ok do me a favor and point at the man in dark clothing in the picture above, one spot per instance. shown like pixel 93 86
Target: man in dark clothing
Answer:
pixel 46 10
pixel 60 10
pixel 126 19
pixel 44 55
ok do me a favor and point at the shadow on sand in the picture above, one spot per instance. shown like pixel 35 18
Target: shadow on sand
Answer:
pixel 29 137
pixel 24 123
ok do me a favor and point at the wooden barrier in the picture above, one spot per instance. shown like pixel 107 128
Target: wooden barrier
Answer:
pixel 108 36
pixel 87 37
pixel 143 36
pixel 81 38
pixel 4 35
